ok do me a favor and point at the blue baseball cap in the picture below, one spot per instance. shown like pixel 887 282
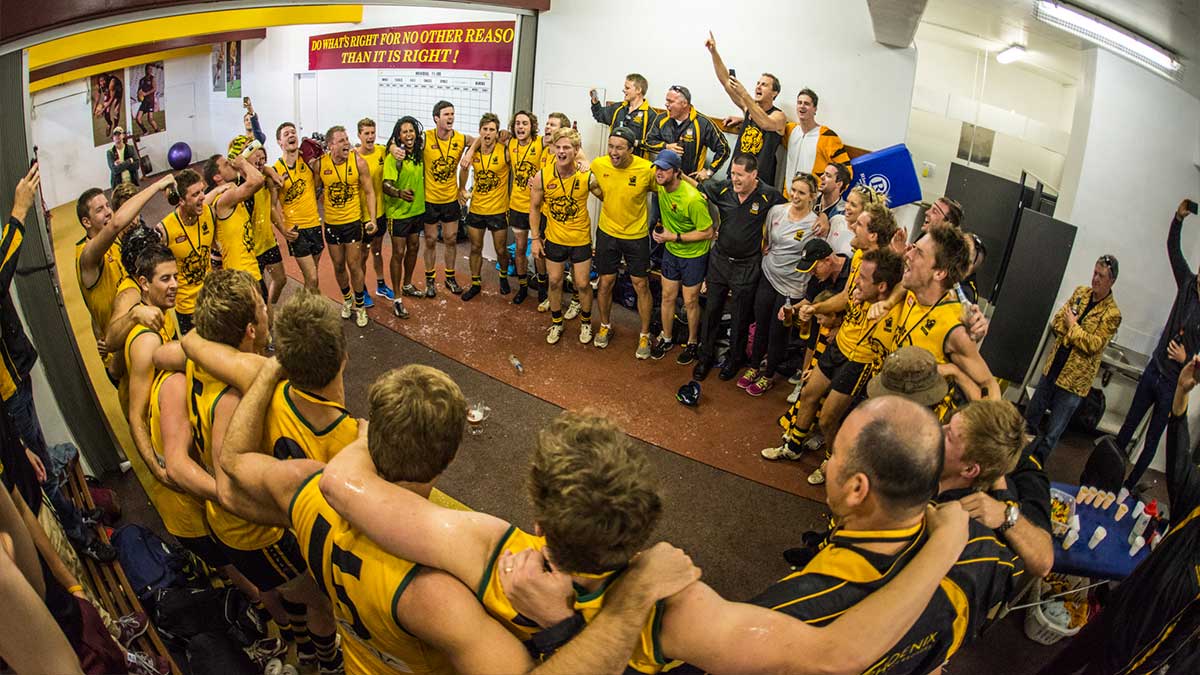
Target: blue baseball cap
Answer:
pixel 668 159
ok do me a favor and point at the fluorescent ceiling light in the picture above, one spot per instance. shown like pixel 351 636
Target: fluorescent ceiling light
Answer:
pixel 1012 53
pixel 1105 35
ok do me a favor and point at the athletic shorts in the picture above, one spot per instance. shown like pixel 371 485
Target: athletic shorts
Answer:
pixel 610 250
pixel 562 254
pixel 271 566
pixel 346 233
pixel 492 223
pixel 403 227
pixel 271 256
pixel 380 229
pixel 147 105
pixel 307 244
pixel 688 271
pixel 442 213
pixel 519 220
pixel 207 549
pixel 848 377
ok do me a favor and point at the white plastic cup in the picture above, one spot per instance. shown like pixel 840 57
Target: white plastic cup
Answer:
pixel 1070 539
pixel 1138 508
pixel 1097 537
pixel 1122 495
pixel 1137 546
pixel 1073 523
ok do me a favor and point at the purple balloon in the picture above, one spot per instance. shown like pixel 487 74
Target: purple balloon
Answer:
pixel 179 156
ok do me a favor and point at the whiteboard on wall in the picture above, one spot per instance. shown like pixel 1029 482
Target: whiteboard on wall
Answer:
pixel 415 92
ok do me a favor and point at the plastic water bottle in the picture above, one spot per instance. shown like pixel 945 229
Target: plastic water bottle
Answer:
pixel 516 363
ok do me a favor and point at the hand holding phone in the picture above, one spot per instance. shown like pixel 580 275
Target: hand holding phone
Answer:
pixel 1185 207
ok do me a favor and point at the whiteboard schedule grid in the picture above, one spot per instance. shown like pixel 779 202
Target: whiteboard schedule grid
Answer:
pixel 415 92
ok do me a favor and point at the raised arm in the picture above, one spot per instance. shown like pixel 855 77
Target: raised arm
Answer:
pixel 252 482
pixel 468 155
pixel 776 121
pixel 1179 264
pixel 1183 478
pixel 141 373
pixel 240 193
pixel 97 246
pixel 228 364
pixel 719 68
pixel 721 636
pixel 963 351
pixel 404 523
pixel 182 466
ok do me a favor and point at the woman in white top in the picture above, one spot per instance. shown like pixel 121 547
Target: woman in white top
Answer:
pixel 789 227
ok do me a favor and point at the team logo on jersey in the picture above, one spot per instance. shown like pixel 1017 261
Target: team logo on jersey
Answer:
pixel 294 191
pixel 338 193
pixel 522 172
pixel 563 208
pixel 248 236
pixel 887 324
pixel 632 180
pixel 443 169
pixel 752 140
pixel 754 209
pixel 486 180
pixel 929 324
pixel 194 265
pixel 687 137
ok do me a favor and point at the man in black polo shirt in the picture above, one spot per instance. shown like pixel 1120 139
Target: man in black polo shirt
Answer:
pixel 735 262
pixel 752 139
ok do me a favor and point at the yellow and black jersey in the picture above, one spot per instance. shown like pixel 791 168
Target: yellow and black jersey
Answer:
pixel 843 573
pixel 364 584
pixel 342 201
pixel 235 237
pixel 99 297
pixel 790 420
pixel 647 653
pixel 264 235
pixel 204 392
pixel 564 202
pixel 182 514
pixel 441 166
pixel 856 338
pixel 287 434
pixel 489 194
pixel 374 162
pixel 192 247
pixel 299 195
pixel 639 120
pixel 525 160
pixel 928 327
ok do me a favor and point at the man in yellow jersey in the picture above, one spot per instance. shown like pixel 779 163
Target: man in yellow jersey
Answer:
pixel 563 187
pixel 596 503
pixel 525 156
pixel 231 311
pixel 554 122
pixel 298 199
pixel 623 232
pixel 267 217
pixel 394 615
pixel 632 112
pixel 845 367
pixel 190 231
pixel 98 255
pixel 443 186
pixel 488 196
pixel 348 191
pixel 882 475
pixel 930 315
pixel 752 138
pixel 373 155
pixel 228 197
pixel 689 133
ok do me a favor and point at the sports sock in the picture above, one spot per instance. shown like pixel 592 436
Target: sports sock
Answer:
pixel 360 297
pixel 556 317
pixel 477 280
pixel 585 317
pixel 327 651
pixel 346 295
pixel 429 276
pixel 522 279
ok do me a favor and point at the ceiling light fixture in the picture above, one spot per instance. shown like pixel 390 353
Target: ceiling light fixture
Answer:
pixel 1104 34
pixel 1010 54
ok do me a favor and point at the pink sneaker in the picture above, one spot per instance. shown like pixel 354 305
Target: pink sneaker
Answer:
pixel 760 386
pixel 748 378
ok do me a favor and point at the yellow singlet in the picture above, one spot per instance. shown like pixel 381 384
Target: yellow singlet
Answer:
pixel 264 233
pixel 104 290
pixel 191 245
pixel 342 202
pixel 441 166
pixel 204 392
pixel 526 160
pixel 565 200
pixel 235 237
pixel 489 196
pixel 375 166
pixel 299 195
pixel 364 583
pixel 852 337
pixel 288 435
pixel 911 323
pixel 647 654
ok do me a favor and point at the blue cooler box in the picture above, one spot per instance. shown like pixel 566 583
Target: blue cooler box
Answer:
pixel 891 171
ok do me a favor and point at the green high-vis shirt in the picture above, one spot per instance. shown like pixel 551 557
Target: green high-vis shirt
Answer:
pixel 408 175
pixel 682 211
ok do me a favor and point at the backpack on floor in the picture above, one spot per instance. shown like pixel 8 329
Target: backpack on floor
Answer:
pixel 215 653
pixel 1089 413
pixel 149 563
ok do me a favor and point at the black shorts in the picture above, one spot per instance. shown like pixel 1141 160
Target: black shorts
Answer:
pixel 404 227
pixel 519 220
pixel 562 254
pixel 307 244
pixel 271 566
pixel 847 377
pixel 271 256
pixel 380 230
pixel 442 213
pixel 610 250
pixel 207 549
pixel 346 233
pixel 492 223
pixel 147 105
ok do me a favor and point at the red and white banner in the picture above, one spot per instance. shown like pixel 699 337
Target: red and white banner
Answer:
pixel 477 45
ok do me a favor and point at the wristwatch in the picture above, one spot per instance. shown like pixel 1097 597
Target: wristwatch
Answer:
pixel 678 237
pixel 1012 511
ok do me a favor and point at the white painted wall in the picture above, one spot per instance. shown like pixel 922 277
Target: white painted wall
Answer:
pixel 865 88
